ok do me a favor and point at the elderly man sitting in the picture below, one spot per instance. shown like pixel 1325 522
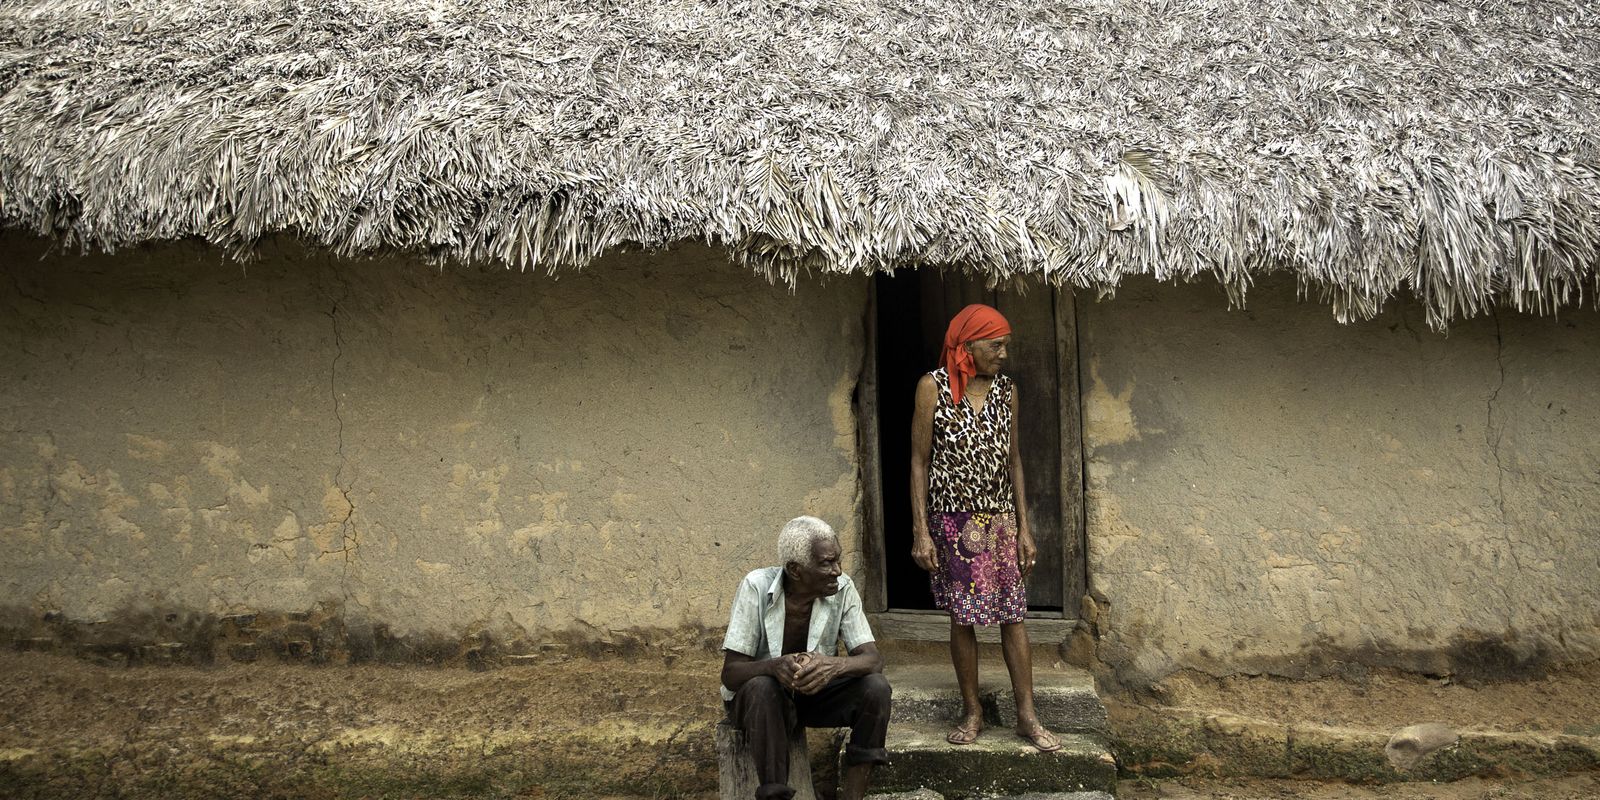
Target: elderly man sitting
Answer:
pixel 779 665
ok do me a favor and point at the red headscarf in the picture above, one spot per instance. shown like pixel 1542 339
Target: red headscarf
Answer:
pixel 974 322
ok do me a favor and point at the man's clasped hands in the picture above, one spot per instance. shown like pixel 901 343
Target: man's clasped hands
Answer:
pixel 808 672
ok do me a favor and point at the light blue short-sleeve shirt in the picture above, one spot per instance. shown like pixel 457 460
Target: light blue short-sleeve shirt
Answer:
pixel 755 626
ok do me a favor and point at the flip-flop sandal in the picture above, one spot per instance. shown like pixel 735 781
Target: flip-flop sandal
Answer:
pixel 964 735
pixel 1043 739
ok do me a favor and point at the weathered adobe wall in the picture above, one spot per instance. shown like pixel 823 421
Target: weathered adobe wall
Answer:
pixel 1269 491
pixel 327 458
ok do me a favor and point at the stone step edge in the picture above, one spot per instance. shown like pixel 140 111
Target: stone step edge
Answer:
pixel 998 765
pixel 1000 740
pixel 929 794
pixel 1076 710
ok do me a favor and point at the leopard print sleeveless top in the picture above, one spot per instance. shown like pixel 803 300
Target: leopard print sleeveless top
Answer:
pixel 969 469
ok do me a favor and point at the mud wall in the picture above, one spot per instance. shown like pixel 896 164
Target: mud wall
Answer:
pixel 383 451
pixel 1269 491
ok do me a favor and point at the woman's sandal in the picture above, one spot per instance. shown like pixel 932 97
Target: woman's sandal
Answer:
pixel 1041 738
pixel 964 735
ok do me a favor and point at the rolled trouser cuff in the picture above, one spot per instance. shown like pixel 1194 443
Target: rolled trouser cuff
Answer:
pixel 855 755
pixel 774 791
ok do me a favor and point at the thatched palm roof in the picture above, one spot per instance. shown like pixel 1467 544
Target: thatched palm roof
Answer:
pixel 1370 147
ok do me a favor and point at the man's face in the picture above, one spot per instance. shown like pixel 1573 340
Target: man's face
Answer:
pixel 821 576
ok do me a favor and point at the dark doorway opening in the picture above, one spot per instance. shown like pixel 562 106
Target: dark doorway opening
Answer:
pixel 912 309
pixel 904 354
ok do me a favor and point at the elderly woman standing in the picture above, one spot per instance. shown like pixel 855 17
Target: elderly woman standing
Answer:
pixel 970 525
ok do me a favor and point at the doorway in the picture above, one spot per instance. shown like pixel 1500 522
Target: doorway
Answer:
pixel 907 319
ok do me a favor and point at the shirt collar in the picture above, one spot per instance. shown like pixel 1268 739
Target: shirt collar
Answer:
pixel 775 591
pixel 777 610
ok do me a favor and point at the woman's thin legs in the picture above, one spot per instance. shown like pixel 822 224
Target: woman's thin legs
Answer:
pixel 964 656
pixel 1019 662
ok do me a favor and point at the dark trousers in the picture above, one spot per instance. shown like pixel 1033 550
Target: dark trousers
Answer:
pixel 767 713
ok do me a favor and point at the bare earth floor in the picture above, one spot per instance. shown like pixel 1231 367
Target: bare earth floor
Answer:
pixel 621 727
pixel 1567 702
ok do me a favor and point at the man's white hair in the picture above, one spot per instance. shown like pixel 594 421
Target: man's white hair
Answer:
pixel 798 538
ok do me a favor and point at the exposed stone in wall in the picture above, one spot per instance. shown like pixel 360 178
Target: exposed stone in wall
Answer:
pixel 423 454
pixel 1271 492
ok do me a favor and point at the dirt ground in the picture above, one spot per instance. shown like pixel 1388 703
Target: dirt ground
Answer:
pixel 559 728
pixel 55 702
pixel 611 727
pixel 1566 703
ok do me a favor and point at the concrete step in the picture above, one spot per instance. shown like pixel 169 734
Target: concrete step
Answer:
pixel 929 794
pixel 1096 795
pixel 998 764
pixel 1064 698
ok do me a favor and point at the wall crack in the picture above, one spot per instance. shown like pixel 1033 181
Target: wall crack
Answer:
pixel 349 534
pixel 1494 435
pixel 16 285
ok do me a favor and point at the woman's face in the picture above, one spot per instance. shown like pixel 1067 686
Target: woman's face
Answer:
pixel 989 355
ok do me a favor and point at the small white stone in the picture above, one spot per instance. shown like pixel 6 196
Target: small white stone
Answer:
pixel 1410 745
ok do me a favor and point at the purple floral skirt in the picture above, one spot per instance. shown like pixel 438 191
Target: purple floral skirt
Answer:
pixel 977 581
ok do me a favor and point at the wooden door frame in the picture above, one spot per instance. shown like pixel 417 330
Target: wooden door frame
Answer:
pixel 1074 540
pixel 1074 561
pixel 875 598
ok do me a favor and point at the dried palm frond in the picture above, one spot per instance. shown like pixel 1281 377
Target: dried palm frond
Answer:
pixel 1448 149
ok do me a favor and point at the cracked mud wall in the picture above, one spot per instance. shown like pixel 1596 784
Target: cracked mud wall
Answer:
pixel 425 451
pixel 1268 491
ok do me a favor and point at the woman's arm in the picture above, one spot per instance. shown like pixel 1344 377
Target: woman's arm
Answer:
pixel 921 451
pixel 1027 553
